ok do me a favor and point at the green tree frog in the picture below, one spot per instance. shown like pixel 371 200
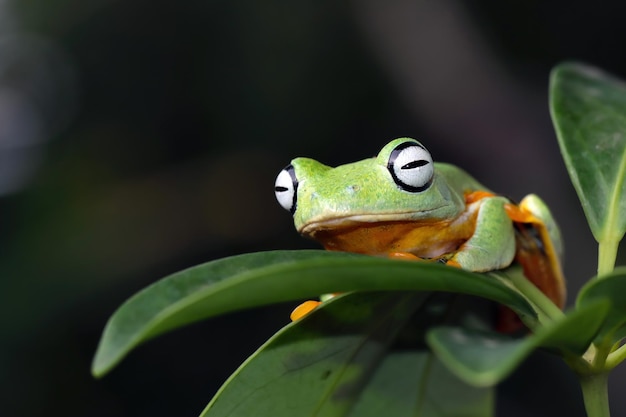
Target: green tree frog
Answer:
pixel 402 205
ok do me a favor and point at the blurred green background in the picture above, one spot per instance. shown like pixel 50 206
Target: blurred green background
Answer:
pixel 138 138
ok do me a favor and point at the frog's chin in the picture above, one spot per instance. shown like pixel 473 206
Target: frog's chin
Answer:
pixel 355 220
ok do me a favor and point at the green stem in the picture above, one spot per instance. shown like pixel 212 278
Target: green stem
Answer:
pixel 536 297
pixel 616 357
pixel 607 253
pixel 595 394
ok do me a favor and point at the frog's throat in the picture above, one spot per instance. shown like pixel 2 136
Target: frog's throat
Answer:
pixel 424 238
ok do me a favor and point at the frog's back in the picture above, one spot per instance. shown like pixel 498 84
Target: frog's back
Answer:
pixel 458 178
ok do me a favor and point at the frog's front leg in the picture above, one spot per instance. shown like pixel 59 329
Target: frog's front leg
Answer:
pixel 492 245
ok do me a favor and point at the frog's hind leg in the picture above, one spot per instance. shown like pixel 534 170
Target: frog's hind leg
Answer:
pixel 539 246
pixel 535 205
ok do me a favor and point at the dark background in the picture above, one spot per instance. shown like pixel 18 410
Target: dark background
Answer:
pixel 138 138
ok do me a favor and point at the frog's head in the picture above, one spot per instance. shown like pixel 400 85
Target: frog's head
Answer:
pixel 400 184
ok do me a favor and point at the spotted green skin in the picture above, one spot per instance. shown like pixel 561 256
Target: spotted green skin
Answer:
pixel 364 191
pixel 366 188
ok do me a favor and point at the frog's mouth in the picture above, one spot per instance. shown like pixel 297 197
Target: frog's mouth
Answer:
pixel 329 224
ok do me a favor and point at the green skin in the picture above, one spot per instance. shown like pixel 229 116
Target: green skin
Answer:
pixel 365 191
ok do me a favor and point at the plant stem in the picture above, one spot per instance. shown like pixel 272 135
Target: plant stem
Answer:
pixel 535 296
pixel 595 394
pixel 607 253
pixel 616 357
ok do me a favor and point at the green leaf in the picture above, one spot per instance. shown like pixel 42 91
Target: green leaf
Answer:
pixel 338 361
pixel 612 288
pixel 588 109
pixel 415 383
pixel 317 366
pixel 262 278
pixel 484 358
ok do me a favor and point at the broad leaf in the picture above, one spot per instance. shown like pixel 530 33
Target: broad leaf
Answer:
pixel 262 278
pixel 485 358
pixel 612 288
pixel 318 365
pixel 412 383
pixel 588 109
pixel 339 361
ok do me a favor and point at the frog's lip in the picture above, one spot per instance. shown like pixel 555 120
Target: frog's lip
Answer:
pixel 338 222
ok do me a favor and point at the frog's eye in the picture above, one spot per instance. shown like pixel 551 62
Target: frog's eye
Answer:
pixel 411 167
pixel 286 188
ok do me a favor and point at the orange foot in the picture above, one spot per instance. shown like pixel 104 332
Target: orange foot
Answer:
pixel 303 309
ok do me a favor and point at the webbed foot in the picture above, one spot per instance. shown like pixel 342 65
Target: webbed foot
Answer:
pixel 303 309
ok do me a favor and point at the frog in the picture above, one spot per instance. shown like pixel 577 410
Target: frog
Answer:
pixel 402 205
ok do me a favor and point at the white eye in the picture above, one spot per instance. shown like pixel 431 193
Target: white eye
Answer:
pixel 411 167
pixel 286 188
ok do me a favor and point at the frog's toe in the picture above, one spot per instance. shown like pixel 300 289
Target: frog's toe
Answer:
pixel 475 196
pixel 303 309
pixel 454 263
pixel 404 255
pixel 520 214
